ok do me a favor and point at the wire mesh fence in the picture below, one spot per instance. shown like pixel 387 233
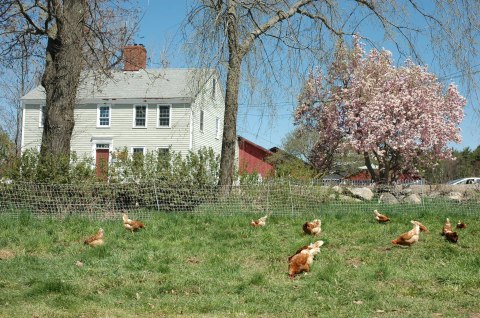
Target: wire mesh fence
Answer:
pixel 104 200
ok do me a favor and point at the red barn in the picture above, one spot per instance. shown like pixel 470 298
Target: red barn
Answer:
pixel 252 158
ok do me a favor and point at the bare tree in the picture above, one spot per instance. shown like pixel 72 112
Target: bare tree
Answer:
pixel 257 40
pixel 74 35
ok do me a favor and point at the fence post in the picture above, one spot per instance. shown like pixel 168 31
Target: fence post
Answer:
pixel 156 195
pixel 268 195
pixel 290 195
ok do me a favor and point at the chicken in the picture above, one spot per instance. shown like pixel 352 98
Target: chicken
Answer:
pixel 95 240
pixel 316 244
pixel 409 238
pixel 260 222
pixel 132 225
pixel 380 217
pixel 448 232
pixel 451 236
pixel 423 228
pixel 461 225
pixel 447 227
pixel 313 228
pixel 302 261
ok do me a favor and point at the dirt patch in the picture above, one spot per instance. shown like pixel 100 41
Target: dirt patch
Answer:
pixel 355 262
pixel 6 254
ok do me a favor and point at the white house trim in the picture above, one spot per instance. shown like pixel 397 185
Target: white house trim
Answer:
pixel 22 142
pixel 101 140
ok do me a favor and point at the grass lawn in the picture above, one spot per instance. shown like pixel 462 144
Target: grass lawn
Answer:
pixel 206 265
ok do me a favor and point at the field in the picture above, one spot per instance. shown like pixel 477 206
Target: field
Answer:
pixel 218 266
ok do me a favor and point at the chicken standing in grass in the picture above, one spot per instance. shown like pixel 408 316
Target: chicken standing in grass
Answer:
pixel 313 245
pixel 260 222
pixel 409 238
pixel 380 217
pixel 302 261
pixel 461 225
pixel 447 226
pixel 313 228
pixel 423 228
pixel 448 232
pixel 95 240
pixel 132 225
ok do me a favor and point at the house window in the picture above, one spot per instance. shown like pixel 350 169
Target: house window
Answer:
pixel 217 127
pixel 138 150
pixel 103 118
pixel 102 146
pixel 162 151
pixel 201 120
pixel 214 86
pixel 163 112
pixel 41 117
pixel 140 116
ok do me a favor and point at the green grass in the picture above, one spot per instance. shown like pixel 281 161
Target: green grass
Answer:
pixel 206 265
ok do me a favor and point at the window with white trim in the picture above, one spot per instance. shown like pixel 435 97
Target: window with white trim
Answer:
pixel 217 127
pixel 201 120
pixel 140 116
pixel 163 116
pixel 41 115
pixel 138 150
pixel 103 115
pixel 162 151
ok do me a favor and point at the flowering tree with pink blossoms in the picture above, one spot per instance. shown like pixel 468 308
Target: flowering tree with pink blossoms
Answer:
pixel 396 117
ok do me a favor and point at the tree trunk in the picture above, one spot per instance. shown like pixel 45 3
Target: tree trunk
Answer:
pixel 368 163
pixel 60 80
pixel 227 162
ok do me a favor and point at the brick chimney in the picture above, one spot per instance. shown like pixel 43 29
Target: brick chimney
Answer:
pixel 134 57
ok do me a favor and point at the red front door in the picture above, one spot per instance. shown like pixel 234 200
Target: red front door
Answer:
pixel 102 163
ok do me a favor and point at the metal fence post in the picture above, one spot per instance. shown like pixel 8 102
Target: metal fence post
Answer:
pixel 290 195
pixel 156 195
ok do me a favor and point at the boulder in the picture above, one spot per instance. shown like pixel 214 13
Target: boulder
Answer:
pixel 337 189
pixel 387 198
pixel 362 193
pixel 412 198
pixel 346 198
pixel 455 196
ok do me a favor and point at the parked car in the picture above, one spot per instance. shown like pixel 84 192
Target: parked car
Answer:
pixel 469 180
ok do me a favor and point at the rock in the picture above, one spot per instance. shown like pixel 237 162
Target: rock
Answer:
pixel 412 198
pixel 337 189
pixel 362 193
pixel 455 196
pixel 388 198
pixel 346 198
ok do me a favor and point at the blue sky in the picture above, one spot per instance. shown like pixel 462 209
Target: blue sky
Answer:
pixel 159 32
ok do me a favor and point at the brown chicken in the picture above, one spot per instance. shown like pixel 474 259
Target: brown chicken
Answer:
pixel 380 217
pixel 448 232
pixel 447 227
pixel 461 225
pixel 423 228
pixel 132 225
pixel 260 222
pixel 316 244
pixel 95 240
pixel 451 236
pixel 302 261
pixel 313 228
pixel 409 238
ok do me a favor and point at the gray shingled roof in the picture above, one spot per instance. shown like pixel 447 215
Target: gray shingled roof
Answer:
pixel 144 84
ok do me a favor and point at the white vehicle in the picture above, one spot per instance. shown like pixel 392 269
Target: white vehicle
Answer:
pixel 470 180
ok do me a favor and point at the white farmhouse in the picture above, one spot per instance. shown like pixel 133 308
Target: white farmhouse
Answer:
pixel 137 108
